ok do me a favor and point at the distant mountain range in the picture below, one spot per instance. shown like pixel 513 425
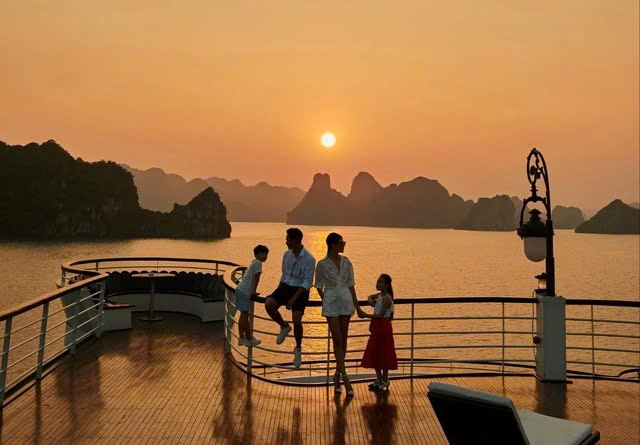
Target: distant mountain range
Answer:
pixel 425 203
pixel 420 202
pixel 45 193
pixel 261 202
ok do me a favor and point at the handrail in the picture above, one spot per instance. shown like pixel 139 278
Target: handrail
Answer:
pixel 75 331
pixel 412 361
pixel 228 282
pixel 618 303
pixel 50 296
pixel 70 265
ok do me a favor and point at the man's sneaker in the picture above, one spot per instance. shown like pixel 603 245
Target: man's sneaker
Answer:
pixel 297 357
pixel 252 342
pixel 283 334
pixel 242 341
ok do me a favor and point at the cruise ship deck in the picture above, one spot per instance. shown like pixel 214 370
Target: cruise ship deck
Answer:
pixel 171 382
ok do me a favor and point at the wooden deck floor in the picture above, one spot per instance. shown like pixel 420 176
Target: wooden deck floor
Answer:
pixel 170 382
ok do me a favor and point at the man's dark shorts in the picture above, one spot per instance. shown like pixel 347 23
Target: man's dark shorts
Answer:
pixel 283 294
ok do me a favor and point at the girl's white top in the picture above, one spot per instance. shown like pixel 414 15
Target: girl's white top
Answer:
pixel 378 308
pixel 246 284
pixel 335 283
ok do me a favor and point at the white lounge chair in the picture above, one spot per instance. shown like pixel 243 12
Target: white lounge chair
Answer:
pixel 473 417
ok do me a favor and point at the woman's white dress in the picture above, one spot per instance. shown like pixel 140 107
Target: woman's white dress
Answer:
pixel 335 284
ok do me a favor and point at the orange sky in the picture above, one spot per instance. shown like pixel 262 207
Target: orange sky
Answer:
pixel 458 91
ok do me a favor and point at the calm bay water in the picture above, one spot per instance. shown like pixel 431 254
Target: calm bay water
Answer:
pixel 423 263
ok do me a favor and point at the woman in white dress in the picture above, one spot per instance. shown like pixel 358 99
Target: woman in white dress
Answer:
pixel 335 284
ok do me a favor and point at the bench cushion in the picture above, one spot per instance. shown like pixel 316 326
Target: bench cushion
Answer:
pixel 546 430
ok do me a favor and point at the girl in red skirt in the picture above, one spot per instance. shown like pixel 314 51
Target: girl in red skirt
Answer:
pixel 381 351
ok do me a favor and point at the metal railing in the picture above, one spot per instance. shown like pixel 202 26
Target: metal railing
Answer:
pixel 80 314
pixel 619 338
pixel 55 323
pixel 82 267
pixel 496 348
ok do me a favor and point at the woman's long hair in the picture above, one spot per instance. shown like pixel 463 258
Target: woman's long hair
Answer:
pixel 387 280
pixel 332 238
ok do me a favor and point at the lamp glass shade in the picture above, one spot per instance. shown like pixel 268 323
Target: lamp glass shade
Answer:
pixel 535 248
pixel 542 281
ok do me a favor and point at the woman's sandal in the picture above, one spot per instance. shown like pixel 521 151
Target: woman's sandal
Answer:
pixel 349 391
pixel 336 383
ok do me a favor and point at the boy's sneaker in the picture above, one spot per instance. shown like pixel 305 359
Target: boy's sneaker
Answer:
pixel 284 331
pixel 297 357
pixel 252 342
pixel 242 341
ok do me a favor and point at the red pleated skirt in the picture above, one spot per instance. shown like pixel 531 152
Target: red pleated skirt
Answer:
pixel 381 350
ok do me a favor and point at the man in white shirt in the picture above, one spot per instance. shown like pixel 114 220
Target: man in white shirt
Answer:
pixel 298 266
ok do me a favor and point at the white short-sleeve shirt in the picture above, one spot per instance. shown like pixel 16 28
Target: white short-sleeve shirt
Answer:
pixel 246 284
pixel 335 284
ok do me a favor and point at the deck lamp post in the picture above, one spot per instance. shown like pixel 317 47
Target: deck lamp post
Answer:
pixel 550 338
pixel 538 235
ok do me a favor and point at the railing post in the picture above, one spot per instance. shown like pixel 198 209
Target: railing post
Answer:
pixel 328 351
pixel 250 352
pixel 74 322
pixel 43 336
pixel 103 286
pixel 412 333
pixel 216 268
pixel 551 351
pixel 593 350
pixel 63 276
pixel 503 329
pixel 5 358
pixel 227 325
pixel 97 266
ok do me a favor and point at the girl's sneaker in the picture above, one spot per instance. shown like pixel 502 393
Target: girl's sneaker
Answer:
pixel 252 342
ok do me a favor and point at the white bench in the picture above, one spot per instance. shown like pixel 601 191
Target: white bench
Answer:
pixel 473 417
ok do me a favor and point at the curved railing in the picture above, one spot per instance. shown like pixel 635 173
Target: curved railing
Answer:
pixel 150 263
pixel 499 340
pixel 38 332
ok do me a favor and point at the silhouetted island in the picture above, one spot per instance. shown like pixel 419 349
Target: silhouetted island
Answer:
pixel 566 217
pixel 421 203
pixel 46 193
pixel 491 214
pixel 261 202
pixel 615 218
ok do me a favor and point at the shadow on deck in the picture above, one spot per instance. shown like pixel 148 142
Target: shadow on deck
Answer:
pixel 169 382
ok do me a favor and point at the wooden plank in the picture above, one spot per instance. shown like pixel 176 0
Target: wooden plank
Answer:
pixel 172 383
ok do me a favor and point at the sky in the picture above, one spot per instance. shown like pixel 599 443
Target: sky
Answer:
pixel 457 91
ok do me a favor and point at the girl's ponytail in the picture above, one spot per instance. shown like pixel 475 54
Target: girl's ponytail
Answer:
pixel 387 280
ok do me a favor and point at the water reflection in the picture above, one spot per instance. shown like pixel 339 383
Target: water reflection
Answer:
pixel 381 418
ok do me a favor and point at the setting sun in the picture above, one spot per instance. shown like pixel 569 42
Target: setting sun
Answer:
pixel 328 140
